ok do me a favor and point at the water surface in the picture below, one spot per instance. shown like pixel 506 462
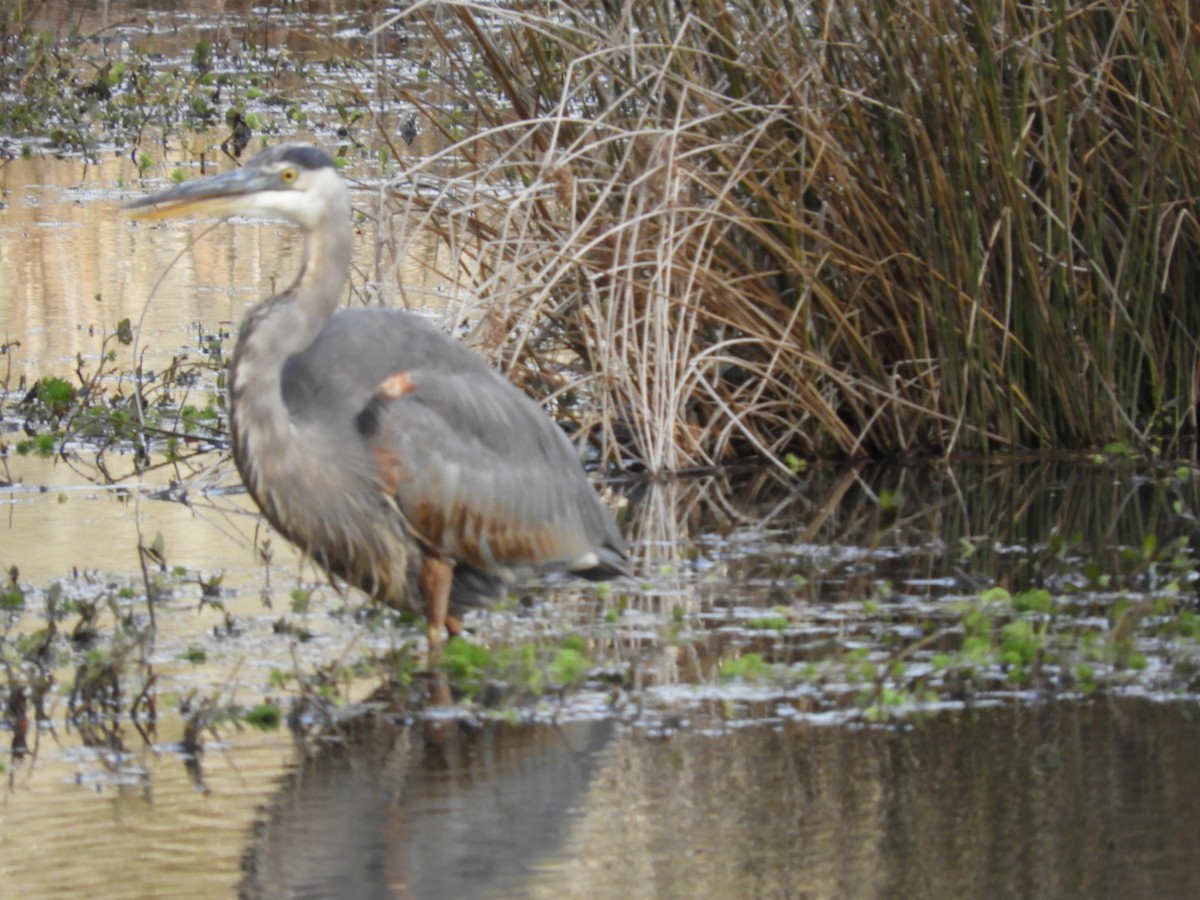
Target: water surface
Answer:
pixel 1007 799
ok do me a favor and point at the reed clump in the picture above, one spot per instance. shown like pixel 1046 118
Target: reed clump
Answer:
pixel 836 229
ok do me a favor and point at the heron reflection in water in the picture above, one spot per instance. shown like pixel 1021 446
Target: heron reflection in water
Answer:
pixel 388 452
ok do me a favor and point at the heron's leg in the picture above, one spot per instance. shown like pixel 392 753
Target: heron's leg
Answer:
pixel 436 575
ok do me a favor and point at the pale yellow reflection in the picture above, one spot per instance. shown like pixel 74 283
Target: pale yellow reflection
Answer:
pixel 73 265
pixel 158 835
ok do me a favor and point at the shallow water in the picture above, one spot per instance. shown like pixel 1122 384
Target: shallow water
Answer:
pixel 1043 799
pixel 657 776
pixel 673 783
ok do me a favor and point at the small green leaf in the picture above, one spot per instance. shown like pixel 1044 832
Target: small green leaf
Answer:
pixel 264 717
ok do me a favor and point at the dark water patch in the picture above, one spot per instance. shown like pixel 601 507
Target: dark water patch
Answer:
pixel 924 530
pixel 1079 799
pixel 436 809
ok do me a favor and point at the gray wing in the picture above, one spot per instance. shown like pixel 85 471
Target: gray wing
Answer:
pixel 479 471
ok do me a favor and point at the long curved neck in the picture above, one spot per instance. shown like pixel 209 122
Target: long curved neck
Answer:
pixel 288 322
pixel 273 331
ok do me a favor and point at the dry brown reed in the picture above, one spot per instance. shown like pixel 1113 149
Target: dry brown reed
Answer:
pixel 840 229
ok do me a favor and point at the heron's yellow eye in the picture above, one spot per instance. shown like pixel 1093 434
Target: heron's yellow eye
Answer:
pixel 288 175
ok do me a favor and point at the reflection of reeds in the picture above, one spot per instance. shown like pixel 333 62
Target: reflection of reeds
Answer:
pixel 965 526
pixel 866 229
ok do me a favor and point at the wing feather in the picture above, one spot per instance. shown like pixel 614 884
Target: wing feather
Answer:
pixel 494 482
pixel 478 470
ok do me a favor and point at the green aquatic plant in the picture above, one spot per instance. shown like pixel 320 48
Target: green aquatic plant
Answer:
pixel 195 655
pixel 568 667
pixel 747 667
pixel 517 673
pixel 768 623
pixel 264 717
pixel 467 665
pixel 301 597
pixel 12 596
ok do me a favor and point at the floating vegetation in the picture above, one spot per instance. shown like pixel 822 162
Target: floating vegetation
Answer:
pixel 74 92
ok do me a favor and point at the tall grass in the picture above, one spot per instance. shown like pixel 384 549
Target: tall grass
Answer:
pixel 838 229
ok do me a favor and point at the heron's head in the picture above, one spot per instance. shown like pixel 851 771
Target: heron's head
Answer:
pixel 297 182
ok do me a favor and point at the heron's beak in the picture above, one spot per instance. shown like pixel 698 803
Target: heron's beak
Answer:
pixel 223 195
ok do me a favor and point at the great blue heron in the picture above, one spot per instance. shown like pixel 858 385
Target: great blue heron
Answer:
pixel 391 454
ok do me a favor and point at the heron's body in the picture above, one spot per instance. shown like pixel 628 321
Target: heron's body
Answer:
pixel 391 454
